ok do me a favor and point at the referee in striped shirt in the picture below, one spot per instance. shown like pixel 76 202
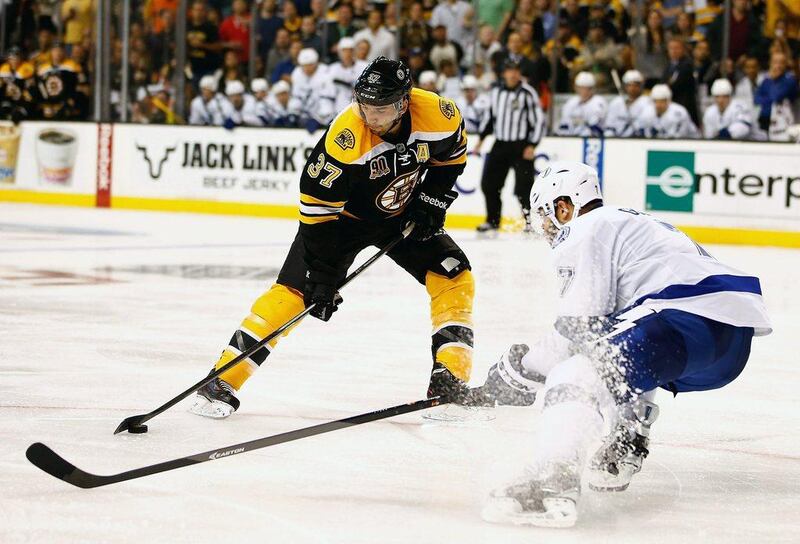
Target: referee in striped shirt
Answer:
pixel 517 120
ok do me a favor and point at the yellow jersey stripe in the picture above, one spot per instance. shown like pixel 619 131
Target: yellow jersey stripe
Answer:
pixel 308 199
pixel 317 219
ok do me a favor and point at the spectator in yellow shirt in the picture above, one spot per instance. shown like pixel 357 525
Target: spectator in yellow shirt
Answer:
pixel 78 18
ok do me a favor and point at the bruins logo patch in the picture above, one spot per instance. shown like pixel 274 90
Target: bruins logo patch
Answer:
pixel 447 108
pixel 346 139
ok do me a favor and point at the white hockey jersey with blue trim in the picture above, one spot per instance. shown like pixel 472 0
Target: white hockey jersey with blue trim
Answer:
pixel 612 259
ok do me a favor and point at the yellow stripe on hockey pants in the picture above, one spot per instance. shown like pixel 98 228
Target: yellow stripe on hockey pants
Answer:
pixel 451 317
pixel 269 312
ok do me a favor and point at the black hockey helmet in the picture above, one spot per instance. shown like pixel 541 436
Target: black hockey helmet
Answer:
pixel 383 82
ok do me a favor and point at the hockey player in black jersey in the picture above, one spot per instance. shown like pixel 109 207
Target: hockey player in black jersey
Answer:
pixel 388 160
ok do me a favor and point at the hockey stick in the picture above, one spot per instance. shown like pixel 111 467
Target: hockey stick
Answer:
pixel 135 423
pixel 49 461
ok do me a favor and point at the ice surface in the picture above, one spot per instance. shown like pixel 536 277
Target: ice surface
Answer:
pixel 105 314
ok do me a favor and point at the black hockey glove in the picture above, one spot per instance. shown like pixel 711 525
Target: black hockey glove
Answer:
pixel 427 213
pixel 320 290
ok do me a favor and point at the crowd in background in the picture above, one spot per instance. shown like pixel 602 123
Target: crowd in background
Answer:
pixel 664 58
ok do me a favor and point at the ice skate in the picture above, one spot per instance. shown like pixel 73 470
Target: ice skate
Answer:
pixel 216 399
pixel 546 498
pixel 621 456
pixel 463 408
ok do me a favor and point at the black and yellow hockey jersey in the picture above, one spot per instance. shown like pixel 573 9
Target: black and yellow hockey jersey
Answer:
pixel 354 173
pixel 57 88
pixel 16 84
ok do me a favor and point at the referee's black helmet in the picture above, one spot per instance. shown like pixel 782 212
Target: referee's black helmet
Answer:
pixel 383 82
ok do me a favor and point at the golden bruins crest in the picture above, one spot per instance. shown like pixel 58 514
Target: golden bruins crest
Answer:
pixel 398 193
pixel 447 107
pixel 345 139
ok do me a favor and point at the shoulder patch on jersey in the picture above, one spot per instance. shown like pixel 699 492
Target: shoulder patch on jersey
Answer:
pixel 345 139
pixel 562 235
pixel 447 108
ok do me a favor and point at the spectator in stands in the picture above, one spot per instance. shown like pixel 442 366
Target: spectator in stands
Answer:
pixel 231 69
pixel 602 14
pixel 203 45
pixel 576 16
pixel 443 48
pixel 284 69
pixel 154 14
pixel 484 47
pixel 472 103
pixel 493 12
pixel 415 32
pixel 361 11
pixel 279 111
pixel 452 14
pixel 279 53
pixel 206 108
pixel 625 112
pixel 428 81
pixel 783 22
pixel 310 37
pixel 44 39
pixel 418 63
pixel 775 96
pixel 58 89
pixel 525 12
pixel 751 78
pixel 684 29
pixel 513 51
pixel 584 113
pixel 381 41
pixel 362 50
pixel 312 91
pixel 344 73
pixel 706 12
pixel 679 75
pixel 726 118
pixel 238 106
pixel 76 20
pixel 567 46
pixel 161 43
pixel 745 37
pixel 342 27
pixel 235 31
pixel 449 82
pixel 705 69
pixel 650 49
pixel 667 119
pixel 599 55
pixel 291 17
pixel 670 9
pixel 267 25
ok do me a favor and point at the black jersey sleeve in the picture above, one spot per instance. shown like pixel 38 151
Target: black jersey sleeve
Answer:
pixel 324 190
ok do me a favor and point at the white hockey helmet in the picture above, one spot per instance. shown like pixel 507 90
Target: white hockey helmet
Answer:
pixel 234 87
pixel 281 87
pixel 469 82
pixel 428 77
pixel 721 87
pixel 661 92
pixel 307 56
pixel 564 179
pixel 632 76
pixel 208 83
pixel 585 79
pixel 259 85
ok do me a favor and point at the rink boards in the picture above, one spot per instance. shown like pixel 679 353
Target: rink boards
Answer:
pixel 719 192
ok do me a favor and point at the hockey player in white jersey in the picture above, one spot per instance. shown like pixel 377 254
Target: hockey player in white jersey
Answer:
pixel 344 72
pixel 238 108
pixel 206 108
pixel 625 112
pixel 254 112
pixel 584 113
pixel 666 119
pixel 312 91
pixel 472 104
pixel 640 306
pixel 280 110
pixel 726 118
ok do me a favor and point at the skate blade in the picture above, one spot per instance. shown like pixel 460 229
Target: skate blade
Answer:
pixel 558 513
pixel 607 487
pixel 208 408
pixel 605 482
pixel 454 414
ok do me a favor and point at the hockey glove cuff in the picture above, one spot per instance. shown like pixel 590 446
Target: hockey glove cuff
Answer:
pixel 320 290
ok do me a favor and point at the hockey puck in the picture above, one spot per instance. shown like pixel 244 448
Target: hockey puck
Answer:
pixel 137 429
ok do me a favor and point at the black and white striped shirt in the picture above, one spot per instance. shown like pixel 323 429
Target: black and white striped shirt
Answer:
pixel 515 115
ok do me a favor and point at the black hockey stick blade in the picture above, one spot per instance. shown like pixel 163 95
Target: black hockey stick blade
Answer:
pixel 135 424
pixel 49 461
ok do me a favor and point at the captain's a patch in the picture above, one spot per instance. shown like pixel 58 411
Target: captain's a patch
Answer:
pixel 346 139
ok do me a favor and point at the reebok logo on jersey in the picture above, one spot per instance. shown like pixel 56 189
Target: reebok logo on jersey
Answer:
pixel 433 201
